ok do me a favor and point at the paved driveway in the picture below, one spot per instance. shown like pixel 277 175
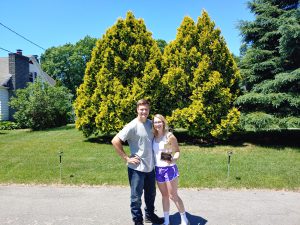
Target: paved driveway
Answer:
pixel 61 205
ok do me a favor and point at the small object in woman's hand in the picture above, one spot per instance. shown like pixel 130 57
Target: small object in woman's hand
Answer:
pixel 166 156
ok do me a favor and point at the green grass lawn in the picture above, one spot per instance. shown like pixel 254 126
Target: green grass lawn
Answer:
pixel 32 158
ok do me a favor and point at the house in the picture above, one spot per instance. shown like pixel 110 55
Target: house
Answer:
pixel 16 71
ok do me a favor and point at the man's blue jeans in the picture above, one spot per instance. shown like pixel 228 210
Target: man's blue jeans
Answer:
pixel 140 181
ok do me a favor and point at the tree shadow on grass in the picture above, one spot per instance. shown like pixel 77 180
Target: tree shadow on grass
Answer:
pixel 101 139
pixel 65 127
pixel 194 220
pixel 275 139
pixel 184 138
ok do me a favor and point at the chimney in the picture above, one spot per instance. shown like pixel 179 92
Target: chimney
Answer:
pixel 19 51
pixel 19 69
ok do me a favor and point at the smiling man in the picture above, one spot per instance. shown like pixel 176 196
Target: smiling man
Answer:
pixel 141 175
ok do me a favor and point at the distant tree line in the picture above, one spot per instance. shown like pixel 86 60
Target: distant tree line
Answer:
pixel 66 64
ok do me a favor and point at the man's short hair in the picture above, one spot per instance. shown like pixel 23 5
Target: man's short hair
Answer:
pixel 142 102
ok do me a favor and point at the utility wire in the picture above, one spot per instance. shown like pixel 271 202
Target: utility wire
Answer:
pixel 21 36
pixel 5 49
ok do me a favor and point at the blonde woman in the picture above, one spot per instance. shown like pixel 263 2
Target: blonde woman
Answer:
pixel 166 151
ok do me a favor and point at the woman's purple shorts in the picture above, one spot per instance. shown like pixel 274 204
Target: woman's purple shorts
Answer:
pixel 164 174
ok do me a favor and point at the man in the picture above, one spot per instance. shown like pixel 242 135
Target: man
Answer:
pixel 138 134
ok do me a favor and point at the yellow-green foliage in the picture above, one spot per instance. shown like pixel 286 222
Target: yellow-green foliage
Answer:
pixel 194 83
pixel 200 80
pixel 125 67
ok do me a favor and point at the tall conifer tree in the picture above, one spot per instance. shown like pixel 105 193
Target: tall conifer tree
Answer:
pixel 270 66
pixel 200 80
pixel 125 67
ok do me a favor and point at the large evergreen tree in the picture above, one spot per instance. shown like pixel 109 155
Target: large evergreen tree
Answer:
pixel 270 66
pixel 125 66
pixel 200 80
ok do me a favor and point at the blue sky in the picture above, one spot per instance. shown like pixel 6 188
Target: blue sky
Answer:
pixel 51 23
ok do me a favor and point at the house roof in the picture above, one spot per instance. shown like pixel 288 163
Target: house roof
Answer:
pixel 5 76
pixel 4 73
pixel 49 79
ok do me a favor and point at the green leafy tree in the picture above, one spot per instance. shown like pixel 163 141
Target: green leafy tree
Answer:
pixel 200 80
pixel 40 106
pixel 125 66
pixel 67 63
pixel 161 44
pixel 270 66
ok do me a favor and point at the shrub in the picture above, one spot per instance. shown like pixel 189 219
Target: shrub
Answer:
pixel 41 106
pixel 8 125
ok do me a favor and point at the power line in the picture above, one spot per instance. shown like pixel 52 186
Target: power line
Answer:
pixel 21 36
pixel 5 49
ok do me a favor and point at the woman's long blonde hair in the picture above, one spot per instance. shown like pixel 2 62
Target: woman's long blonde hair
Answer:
pixel 165 124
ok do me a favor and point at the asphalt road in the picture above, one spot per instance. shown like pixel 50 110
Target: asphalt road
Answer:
pixel 103 205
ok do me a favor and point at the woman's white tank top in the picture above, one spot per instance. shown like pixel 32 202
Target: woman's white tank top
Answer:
pixel 158 148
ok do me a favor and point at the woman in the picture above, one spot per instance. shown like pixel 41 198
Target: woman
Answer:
pixel 164 145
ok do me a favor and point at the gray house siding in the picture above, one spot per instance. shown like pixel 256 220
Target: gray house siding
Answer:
pixel 4 111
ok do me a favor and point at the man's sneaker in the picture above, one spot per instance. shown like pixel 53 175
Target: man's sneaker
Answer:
pixel 138 223
pixel 154 219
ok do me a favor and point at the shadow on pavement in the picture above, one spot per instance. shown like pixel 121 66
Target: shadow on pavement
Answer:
pixel 194 220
